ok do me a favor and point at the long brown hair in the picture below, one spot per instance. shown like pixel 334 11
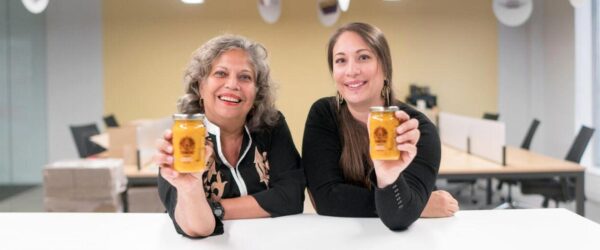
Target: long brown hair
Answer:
pixel 355 160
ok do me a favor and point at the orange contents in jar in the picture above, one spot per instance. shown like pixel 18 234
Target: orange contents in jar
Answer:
pixel 382 133
pixel 188 142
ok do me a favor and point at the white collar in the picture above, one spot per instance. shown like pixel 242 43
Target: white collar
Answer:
pixel 215 130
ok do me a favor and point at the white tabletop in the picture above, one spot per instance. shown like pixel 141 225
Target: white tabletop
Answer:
pixel 491 229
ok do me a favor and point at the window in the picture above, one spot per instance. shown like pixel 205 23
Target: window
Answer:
pixel 596 79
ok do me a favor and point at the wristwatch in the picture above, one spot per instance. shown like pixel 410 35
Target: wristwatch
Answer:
pixel 217 209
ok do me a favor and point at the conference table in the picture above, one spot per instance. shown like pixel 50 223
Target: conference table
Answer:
pixel 520 164
pixel 476 229
pixel 457 164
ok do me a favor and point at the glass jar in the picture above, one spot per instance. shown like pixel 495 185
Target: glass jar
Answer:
pixel 382 133
pixel 189 135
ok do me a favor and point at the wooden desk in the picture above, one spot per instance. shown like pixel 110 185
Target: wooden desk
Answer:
pixel 520 163
pixel 142 177
pixel 546 229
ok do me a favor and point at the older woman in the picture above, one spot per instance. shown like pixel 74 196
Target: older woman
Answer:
pixel 341 176
pixel 255 171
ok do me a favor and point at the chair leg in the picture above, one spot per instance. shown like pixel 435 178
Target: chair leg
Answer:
pixel 509 197
pixel 499 186
pixel 473 200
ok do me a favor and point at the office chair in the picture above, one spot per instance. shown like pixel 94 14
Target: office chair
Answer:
pixel 110 121
pixel 81 135
pixel 508 202
pixel 560 189
pixel 491 116
pixel 532 128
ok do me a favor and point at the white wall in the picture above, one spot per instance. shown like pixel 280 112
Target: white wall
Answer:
pixel 559 76
pixel 596 85
pixel 514 81
pixel 75 71
pixel 537 77
pixel 583 74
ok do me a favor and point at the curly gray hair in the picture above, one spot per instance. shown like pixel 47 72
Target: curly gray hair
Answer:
pixel 263 113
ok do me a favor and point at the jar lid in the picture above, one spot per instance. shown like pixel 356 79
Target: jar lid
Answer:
pixel 384 109
pixel 196 116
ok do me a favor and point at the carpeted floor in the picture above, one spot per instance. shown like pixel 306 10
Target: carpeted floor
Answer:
pixel 6 191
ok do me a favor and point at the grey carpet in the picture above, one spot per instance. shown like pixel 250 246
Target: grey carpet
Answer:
pixel 7 191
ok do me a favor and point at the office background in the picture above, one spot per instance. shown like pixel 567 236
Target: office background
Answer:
pixel 147 46
pixel 81 59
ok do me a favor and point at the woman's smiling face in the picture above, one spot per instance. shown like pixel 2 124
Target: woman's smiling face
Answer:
pixel 357 71
pixel 230 88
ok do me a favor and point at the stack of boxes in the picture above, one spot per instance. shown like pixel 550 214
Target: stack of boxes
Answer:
pixel 84 185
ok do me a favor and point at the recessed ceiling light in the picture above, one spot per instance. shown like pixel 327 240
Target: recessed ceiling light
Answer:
pixel 512 13
pixel 193 1
pixel 578 3
pixel 344 4
pixel 35 6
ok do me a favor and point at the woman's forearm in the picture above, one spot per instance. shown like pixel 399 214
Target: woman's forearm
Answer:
pixel 387 176
pixel 244 207
pixel 194 215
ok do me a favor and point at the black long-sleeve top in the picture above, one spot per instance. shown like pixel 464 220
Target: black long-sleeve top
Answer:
pixel 399 204
pixel 269 169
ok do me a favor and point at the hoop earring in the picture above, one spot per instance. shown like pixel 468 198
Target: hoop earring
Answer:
pixel 339 100
pixel 386 93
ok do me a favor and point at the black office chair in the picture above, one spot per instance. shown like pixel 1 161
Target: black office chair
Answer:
pixel 491 116
pixel 82 135
pixel 532 128
pixel 560 189
pixel 508 202
pixel 110 121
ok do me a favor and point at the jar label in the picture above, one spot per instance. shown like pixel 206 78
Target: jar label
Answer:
pixel 187 146
pixel 380 135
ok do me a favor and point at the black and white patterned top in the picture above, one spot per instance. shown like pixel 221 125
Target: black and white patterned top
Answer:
pixel 268 169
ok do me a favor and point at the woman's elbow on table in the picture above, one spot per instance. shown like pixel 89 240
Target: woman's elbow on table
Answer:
pixel 398 224
pixel 284 203
pixel 198 231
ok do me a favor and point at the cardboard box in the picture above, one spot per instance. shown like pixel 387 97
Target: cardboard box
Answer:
pixel 123 144
pixel 113 204
pixel 85 185
pixel 135 142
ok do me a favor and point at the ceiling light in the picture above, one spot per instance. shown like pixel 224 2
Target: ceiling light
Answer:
pixel 512 13
pixel 193 1
pixel 35 6
pixel 578 3
pixel 269 10
pixel 344 5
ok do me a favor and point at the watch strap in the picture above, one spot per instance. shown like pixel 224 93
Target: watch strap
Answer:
pixel 217 209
